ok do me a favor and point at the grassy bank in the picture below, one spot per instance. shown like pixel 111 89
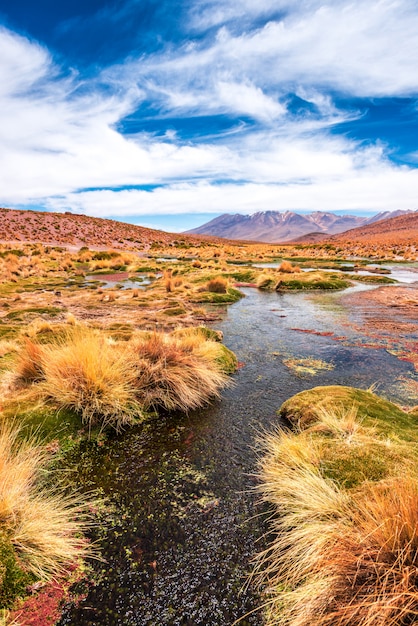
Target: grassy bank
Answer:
pixel 71 383
pixel 343 486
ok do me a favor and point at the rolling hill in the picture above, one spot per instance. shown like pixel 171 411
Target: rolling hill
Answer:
pixel 401 230
pixel 71 229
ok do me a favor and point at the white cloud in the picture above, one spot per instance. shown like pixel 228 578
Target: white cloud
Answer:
pixel 59 131
pixel 360 48
pixel 247 99
pixel 387 188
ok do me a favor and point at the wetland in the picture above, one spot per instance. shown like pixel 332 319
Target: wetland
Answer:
pixel 180 521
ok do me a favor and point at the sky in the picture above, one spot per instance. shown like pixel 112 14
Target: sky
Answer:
pixel 167 113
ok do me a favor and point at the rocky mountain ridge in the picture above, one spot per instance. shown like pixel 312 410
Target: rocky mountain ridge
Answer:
pixel 282 227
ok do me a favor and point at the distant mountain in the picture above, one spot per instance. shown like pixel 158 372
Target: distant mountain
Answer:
pixel 275 226
pixel 278 227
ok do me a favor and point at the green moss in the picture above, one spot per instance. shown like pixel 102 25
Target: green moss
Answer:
pixel 18 314
pixel 232 295
pixel 350 465
pixel 359 438
pixel 247 276
pixel 44 420
pixel 387 418
pixel 311 280
pixel 375 279
pixel 13 578
pixel 173 311
pixel 147 269
pixel 227 360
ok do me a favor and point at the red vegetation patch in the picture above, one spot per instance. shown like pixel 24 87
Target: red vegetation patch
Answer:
pixel 43 608
pixel 324 333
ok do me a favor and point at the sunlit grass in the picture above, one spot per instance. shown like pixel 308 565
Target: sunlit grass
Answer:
pixel 345 523
pixel 39 529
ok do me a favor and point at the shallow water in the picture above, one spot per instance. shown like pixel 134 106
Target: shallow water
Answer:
pixel 185 521
pixel 402 273
pixel 121 280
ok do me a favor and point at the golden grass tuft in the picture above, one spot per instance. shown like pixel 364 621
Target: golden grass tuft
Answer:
pixel 41 526
pixel 286 267
pixel 111 383
pixel 7 346
pixel 217 285
pixel 29 365
pixel 172 375
pixel 71 319
pixel 342 555
pixel 94 378
pixel 266 281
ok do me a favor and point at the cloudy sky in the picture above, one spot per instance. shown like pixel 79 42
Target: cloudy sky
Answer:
pixel 170 112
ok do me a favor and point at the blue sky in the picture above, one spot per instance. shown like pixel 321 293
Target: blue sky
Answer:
pixel 168 113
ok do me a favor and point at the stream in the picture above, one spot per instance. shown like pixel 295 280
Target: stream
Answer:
pixel 182 519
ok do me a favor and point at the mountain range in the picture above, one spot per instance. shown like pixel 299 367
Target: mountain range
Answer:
pixel 281 227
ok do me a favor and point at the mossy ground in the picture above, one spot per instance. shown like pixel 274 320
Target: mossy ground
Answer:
pixel 14 578
pixel 375 412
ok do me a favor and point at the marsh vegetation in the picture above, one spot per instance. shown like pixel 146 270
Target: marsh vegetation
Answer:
pixel 102 348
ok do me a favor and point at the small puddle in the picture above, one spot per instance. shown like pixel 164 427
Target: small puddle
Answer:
pixel 124 280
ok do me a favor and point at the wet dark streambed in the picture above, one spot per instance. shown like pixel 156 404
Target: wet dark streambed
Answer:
pixel 182 522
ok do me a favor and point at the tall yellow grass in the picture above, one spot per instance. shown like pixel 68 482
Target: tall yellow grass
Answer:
pixel 96 379
pixel 112 384
pixel 340 556
pixel 42 527
pixel 173 375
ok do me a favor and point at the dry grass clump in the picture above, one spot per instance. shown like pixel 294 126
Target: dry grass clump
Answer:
pixel 266 281
pixel 39 531
pixel 287 267
pixel 29 364
pixel 96 379
pixel 6 347
pixel 217 285
pixel 110 383
pixel 345 551
pixel 173 375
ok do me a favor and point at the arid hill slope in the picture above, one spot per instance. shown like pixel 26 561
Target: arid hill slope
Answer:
pixel 401 230
pixel 79 230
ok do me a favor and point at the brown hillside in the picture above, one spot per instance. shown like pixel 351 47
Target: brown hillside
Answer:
pixel 400 230
pixel 69 229
pixel 396 236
